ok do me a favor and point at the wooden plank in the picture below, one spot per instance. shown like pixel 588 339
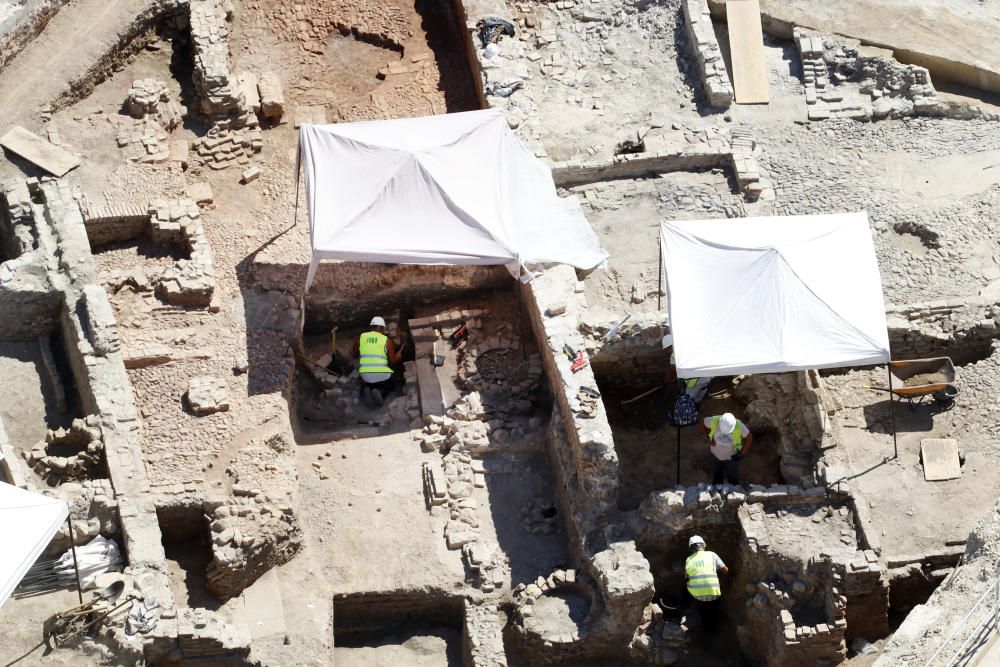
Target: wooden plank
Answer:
pixel 746 48
pixel 57 161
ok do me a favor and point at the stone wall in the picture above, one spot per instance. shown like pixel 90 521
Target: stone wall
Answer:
pixel 707 54
pixel 482 635
pixel 961 328
pixel 789 406
pixel 113 224
pixel 352 292
pixel 638 165
pixel 89 330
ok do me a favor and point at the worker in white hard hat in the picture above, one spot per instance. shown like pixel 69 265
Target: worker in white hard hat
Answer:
pixel 377 354
pixel 702 569
pixel 696 388
pixel 728 440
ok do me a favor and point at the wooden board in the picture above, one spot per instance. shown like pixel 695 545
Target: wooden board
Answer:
pixel 57 161
pixel 746 48
pixel 940 457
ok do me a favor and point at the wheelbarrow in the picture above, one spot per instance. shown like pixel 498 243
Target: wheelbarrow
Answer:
pixel 70 624
pixel 916 379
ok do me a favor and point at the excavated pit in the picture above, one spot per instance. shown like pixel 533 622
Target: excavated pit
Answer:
pixel 423 631
pixel 492 361
pixel 188 547
pixel 646 443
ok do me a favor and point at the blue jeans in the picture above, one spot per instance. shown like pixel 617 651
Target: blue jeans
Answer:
pixel 730 468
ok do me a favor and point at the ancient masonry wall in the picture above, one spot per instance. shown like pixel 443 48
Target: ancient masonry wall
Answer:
pixel 928 626
pixel 708 55
pixel 93 347
pixel 585 462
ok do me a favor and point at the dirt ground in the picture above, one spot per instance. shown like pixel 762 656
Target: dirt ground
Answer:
pixel 416 646
pixel 29 410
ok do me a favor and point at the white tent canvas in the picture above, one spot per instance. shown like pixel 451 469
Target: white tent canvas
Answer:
pixel 27 521
pixel 454 189
pixel 765 295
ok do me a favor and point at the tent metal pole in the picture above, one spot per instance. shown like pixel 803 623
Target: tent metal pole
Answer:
pixel 892 412
pixel 76 567
pixel 659 280
pixel 678 455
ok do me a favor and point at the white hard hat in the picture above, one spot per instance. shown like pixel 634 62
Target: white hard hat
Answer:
pixel 667 341
pixel 379 322
pixel 695 539
pixel 491 50
pixel 727 423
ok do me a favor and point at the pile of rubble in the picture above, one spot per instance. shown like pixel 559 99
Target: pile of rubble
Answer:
pixel 884 87
pixel 150 98
pixel 84 439
pixel 250 535
pixel 191 281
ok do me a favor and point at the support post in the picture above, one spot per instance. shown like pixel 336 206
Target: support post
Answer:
pixel 659 281
pixel 679 427
pixel 892 412
pixel 76 567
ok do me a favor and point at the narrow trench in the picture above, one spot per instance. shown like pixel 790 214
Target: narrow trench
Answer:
pixel 187 544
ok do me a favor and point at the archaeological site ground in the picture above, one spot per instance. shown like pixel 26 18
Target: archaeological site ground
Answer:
pixel 522 497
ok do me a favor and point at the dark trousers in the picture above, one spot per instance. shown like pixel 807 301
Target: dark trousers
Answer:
pixel 709 612
pixel 385 387
pixel 730 468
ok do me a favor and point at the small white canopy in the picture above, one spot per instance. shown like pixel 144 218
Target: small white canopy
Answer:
pixel 453 189
pixel 767 295
pixel 28 521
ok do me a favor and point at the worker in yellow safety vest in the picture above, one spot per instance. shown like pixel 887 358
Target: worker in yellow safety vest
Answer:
pixel 728 440
pixel 702 571
pixel 696 388
pixel 376 354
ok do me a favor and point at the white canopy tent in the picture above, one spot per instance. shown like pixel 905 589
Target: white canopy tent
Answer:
pixel 453 189
pixel 28 521
pixel 767 295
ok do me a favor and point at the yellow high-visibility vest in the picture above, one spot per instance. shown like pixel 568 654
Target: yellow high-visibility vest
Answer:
pixel 702 579
pixel 737 434
pixel 373 355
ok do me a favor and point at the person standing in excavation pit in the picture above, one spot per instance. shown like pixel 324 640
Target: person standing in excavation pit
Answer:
pixel 376 354
pixel 702 571
pixel 728 440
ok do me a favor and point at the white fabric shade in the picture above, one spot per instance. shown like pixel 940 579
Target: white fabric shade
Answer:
pixel 767 295
pixel 453 189
pixel 28 521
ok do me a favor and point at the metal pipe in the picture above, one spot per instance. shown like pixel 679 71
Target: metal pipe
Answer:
pixel 892 411
pixel 76 568
pixel 678 454
pixel 659 280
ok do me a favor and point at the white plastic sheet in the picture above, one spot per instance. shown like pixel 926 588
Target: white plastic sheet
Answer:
pixel 766 295
pixel 453 189
pixel 28 521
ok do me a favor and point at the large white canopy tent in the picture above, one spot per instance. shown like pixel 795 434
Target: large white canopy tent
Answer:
pixel 28 521
pixel 453 189
pixel 767 295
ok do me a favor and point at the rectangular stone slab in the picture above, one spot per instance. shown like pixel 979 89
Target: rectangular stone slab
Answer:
pixel 57 161
pixel 940 457
pixel 746 48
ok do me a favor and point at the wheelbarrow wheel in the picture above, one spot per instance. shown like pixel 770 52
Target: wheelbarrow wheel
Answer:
pixel 946 396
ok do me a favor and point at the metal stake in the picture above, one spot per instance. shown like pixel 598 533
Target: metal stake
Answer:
pixel 892 412
pixel 678 455
pixel 76 568
pixel 659 281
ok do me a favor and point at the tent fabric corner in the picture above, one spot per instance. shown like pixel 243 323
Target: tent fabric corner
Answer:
pixel 458 189
pixel 760 295
pixel 29 521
